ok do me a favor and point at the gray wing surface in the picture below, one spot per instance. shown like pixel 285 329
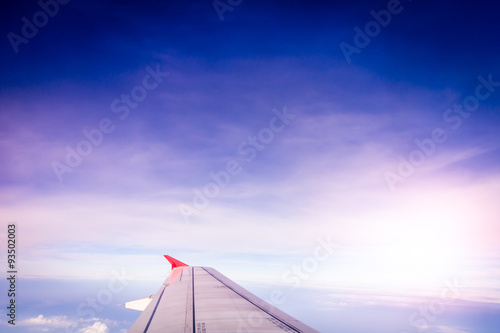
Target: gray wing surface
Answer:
pixel 202 300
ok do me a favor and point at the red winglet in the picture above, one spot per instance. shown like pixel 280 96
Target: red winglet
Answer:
pixel 175 263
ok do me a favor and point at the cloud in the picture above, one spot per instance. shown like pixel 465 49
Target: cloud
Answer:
pixel 325 170
pixel 450 329
pixel 97 327
pixel 51 321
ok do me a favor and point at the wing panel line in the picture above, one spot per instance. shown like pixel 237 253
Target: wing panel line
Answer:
pixel 156 306
pixel 192 286
pixel 243 296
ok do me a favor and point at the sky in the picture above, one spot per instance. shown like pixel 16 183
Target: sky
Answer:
pixel 344 154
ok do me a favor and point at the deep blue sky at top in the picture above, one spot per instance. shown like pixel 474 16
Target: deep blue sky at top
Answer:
pixel 91 51
pixel 436 44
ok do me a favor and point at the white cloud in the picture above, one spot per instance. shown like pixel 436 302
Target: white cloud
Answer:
pixel 52 321
pixel 97 327
pixel 49 324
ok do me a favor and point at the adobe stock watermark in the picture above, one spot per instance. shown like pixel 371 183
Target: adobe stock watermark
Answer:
pixel 298 273
pixel 88 309
pixel 120 106
pixel 293 278
pixel 428 312
pixel 222 6
pixel 250 147
pixel 371 30
pixel 29 29
pixel 454 118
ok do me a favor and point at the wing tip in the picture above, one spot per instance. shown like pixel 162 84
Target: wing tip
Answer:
pixel 174 262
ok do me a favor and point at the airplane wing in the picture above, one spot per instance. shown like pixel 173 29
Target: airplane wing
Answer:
pixel 201 300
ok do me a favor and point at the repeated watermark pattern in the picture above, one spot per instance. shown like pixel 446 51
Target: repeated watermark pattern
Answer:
pixel 94 137
pixel 30 28
pixel 371 30
pixel 292 278
pixel 429 312
pixel 249 148
pixel 223 6
pixel 454 118
pixel 89 309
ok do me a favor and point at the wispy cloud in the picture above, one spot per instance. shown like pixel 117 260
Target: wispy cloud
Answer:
pixel 323 175
pixel 450 329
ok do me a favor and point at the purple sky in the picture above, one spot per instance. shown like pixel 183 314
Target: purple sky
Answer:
pixel 129 131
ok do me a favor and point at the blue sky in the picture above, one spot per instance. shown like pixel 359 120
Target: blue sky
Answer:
pixel 132 130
